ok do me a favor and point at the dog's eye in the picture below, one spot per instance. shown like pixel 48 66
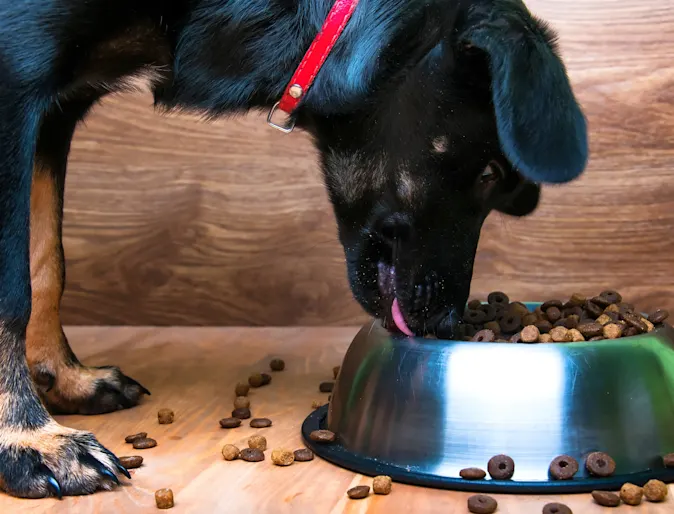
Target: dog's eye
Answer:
pixel 492 173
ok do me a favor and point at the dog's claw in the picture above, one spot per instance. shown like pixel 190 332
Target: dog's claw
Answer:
pixel 123 470
pixel 142 388
pixel 52 484
pixel 106 472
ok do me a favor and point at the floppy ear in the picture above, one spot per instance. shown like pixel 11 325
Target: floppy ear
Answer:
pixel 541 128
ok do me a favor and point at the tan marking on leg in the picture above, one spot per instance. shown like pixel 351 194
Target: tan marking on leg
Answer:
pixel 45 269
pixel 45 344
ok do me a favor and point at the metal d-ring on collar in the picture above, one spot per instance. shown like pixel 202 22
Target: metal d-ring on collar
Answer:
pixel 311 63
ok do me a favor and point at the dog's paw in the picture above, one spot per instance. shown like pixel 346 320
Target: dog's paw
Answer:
pixel 83 390
pixel 54 461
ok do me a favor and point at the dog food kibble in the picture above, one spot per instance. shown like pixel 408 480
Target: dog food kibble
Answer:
pixel 472 473
pixel 510 323
pixel 241 413
pixel 530 334
pixel 553 314
pixel 484 336
pixel 529 319
pixel 611 296
pixel 474 316
pixel 474 305
pixel 501 467
pixel 132 438
pixel 303 455
pixel 230 422
pixel 382 484
pixel 282 457
pixel 606 498
pixel 258 442
pixel 571 321
pixel 144 443
pixel 359 492
pixel 649 325
pixel 612 331
pixel 590 329
pixel 260 422
pixel 576 336
pixel 517 309
pixel 131 462
pixel 635 321
pixel 493 326
pixel 604 319
pixel 593 309
pixel 277 365
pixel 266 379
pixel 543 326
pixel 560 335
pixel 655 491
pixel 498 298
pixel 322 436
pixel 489 312
pixel 630 331
pixel 551 303
pixel 482 504
pixel 658 316
pixel 631 494
pixel 556 508
pixel 668 460
pixel 563 467
pixel 604 316
pixel 252 455
pixel 515 338
pixel 256 380
pixel 600 464
pixel 326 387
pixel 241 389
pixel 164 498
pixel 230 452
pixel 165 416
pixel 241 402
pixel 577 299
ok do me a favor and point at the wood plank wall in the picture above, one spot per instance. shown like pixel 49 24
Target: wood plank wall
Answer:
pixel 171 221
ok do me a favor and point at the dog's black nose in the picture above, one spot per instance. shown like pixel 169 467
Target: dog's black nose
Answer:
pixel 392 228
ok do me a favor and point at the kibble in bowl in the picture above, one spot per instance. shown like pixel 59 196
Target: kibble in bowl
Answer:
pixel 581 318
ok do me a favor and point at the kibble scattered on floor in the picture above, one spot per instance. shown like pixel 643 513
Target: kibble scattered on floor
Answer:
pixel 131 462
pixel 165 416
pixel 164 499
pixel 482 504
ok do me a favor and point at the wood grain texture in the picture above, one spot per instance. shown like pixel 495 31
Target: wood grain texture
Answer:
pixel 172 221
pixel 193 371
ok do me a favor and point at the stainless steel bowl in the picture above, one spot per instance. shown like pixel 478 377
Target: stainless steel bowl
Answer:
pixel 420 410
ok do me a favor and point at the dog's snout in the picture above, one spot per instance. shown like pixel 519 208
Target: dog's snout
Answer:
pixel 393 228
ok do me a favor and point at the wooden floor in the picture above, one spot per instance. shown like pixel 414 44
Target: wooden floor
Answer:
pixel 193 372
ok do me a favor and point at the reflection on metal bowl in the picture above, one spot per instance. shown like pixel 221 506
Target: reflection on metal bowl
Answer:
pixel 420 410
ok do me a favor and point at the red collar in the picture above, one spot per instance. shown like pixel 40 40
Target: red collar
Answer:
pixel 312 62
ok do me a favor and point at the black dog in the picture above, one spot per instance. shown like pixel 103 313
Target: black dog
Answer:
pixel 428 115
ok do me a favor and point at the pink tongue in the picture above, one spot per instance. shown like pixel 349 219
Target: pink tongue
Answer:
pixel 399 320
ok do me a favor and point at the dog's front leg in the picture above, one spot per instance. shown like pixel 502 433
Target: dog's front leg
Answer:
pixel 38 457
pixel 65 385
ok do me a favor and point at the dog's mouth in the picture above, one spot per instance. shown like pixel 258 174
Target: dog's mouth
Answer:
pixel 387 289
pixel 426 317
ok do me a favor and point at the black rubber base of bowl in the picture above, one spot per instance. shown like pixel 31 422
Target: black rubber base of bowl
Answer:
pixel 336 454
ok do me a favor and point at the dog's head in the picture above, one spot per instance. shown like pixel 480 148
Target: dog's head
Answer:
pixel 462 117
